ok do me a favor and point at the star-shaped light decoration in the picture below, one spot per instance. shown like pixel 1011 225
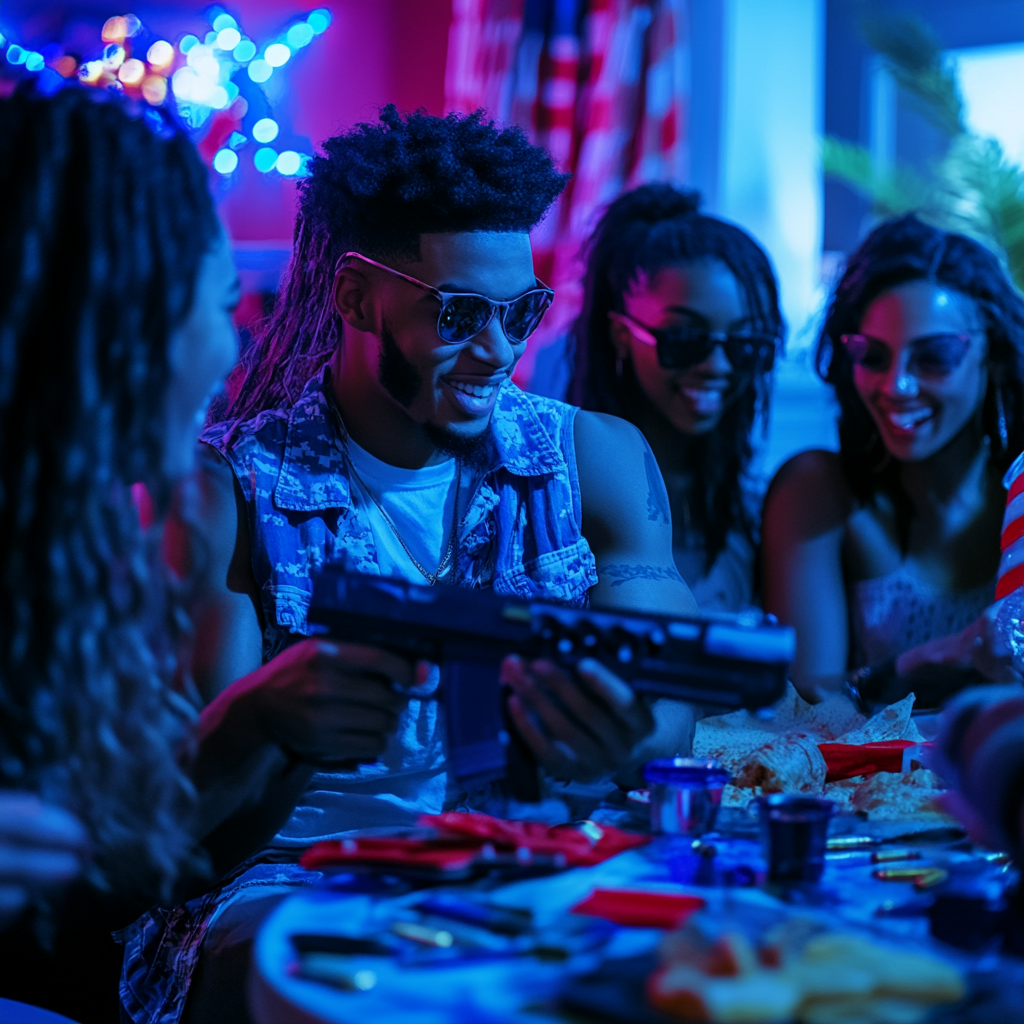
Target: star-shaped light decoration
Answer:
pixel 199 77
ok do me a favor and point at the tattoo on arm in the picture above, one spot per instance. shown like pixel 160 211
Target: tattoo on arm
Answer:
pixel 657 496
pixel 627 573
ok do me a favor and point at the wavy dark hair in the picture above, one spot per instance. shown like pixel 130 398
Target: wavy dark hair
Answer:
pixel 375 190
pixel 105 217
pixel 653 227
pixel 898 251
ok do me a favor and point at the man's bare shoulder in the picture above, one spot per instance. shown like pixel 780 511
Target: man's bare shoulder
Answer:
pixel 606 445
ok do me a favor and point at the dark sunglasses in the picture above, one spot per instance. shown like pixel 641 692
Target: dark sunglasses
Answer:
pixel 935 355
pixel 680 347
pixel 464 315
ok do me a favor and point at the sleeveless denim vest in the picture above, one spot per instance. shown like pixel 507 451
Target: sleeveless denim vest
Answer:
pixel 520 535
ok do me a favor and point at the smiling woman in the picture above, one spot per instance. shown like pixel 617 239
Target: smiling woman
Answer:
pixel 894 541
pixel 677 335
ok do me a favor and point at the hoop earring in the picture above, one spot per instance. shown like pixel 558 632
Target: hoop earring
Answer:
pixel 1004 437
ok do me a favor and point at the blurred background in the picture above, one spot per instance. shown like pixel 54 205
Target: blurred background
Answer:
pixel 801 120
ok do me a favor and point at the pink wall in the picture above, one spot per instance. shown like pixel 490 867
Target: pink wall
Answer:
pixel 375 52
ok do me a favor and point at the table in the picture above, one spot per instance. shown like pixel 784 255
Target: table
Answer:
pixel 524 989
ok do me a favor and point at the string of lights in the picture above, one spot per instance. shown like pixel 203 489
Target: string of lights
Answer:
pixel 201 77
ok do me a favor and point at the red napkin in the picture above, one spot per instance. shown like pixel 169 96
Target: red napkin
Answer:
pixel 430 854
pixel 846 760
pixel 640 909
pixel 579 849
pixel 463 838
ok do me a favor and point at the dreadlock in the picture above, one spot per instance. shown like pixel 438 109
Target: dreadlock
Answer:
pixel 105 216
pixel 653 227
pixel 375 190
pixel 907 249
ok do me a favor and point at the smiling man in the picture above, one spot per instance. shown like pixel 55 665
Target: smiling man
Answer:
pixel 374 422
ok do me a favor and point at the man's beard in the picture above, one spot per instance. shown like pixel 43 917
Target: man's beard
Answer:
pixel 403 382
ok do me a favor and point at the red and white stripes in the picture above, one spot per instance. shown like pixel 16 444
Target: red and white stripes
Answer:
pixel 1011 565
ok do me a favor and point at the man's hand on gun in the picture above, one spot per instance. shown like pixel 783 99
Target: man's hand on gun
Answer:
pixel 330 703
pixel 580 726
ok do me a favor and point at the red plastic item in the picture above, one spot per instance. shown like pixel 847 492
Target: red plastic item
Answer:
pixel 845 760
pixel 637 909
pixel 464 838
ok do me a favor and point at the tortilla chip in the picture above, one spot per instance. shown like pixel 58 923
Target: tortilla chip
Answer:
pixel 889 796
pixel 891 723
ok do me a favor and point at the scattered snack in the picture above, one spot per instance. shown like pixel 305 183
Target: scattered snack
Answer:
pixel 780 754
pixel 799 972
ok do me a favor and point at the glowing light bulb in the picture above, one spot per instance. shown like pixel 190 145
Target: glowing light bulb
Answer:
pixel 113 56
pixel 300 35
pixel 132 25
pixel 289 162
pixel 265 159
pixel 223 21
pixel 114 30
pixel 277 54
pixel 260 70
pixel 187 42
pixel 219 98
pixel 319 21
pixel 16 55
pixel 265 130
pixel 34 62
pixel 245 51
pixel 225 161
pixel 228 38
pixel 132 72
pixel 160 54
pixel 154 90
pixel 91 71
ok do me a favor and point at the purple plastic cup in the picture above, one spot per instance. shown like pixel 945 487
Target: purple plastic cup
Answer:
pixel 686 793
pixel 794 834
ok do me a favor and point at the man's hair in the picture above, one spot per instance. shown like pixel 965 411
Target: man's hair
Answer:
pixel 375 190
pixel 642 232
pixel 105 217
pixel 908 249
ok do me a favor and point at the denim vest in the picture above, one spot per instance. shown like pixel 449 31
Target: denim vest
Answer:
pixel 520 535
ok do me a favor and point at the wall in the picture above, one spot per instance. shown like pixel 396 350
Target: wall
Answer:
pixel 375 52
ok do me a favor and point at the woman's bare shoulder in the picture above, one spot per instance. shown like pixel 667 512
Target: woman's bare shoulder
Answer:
pixel 811 492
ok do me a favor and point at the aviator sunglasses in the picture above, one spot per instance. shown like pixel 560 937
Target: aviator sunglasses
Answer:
pixel 464 315
pixel 680 347
pixel 934 355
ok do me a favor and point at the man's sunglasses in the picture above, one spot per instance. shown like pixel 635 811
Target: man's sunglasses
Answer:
pixel 934 355
pixel 464 315
pixel 681 347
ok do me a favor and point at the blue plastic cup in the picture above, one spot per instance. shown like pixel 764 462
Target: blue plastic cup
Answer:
pixel 794 835
pixel 686 793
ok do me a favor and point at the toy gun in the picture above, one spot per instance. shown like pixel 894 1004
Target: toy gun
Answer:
pixel 726 661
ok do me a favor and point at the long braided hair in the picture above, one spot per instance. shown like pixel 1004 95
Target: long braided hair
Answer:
pixel 653 227
pixel 105 216
pixel 375 190
pixel 908 249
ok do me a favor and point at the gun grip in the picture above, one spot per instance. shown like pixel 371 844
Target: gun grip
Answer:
pixel 523 774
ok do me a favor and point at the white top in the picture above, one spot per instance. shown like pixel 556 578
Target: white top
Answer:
pixel 411 777
pixel 419 503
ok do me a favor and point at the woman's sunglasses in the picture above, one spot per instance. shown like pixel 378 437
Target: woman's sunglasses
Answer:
pixel 934 355
pixel 464 315
pixel 681 347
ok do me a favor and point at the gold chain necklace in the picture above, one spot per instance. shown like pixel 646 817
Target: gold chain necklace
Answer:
pixel 448 559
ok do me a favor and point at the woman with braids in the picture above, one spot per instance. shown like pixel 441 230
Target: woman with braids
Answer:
pixel 678 331
pixel 115 326
pixel 884 554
